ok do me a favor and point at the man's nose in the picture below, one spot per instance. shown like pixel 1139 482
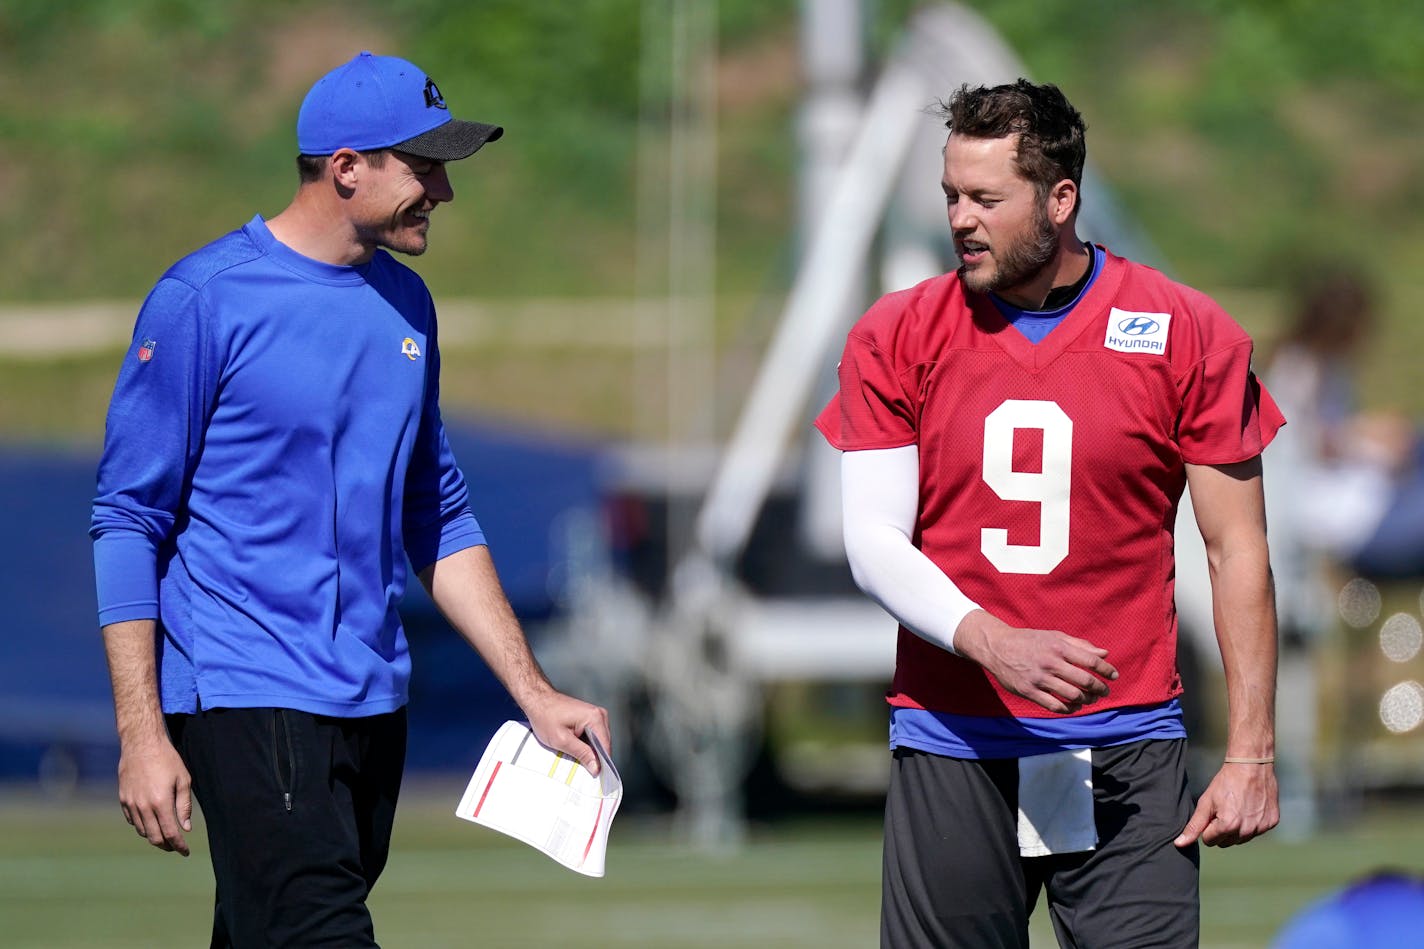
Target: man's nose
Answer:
pixel 437 185
pixel 961 218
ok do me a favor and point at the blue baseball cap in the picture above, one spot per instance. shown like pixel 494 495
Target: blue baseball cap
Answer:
pixel 375 102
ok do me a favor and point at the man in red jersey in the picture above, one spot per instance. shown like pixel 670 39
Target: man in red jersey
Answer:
pixel 1016 437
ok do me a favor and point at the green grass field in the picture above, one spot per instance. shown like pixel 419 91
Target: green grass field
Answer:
pixel 73 875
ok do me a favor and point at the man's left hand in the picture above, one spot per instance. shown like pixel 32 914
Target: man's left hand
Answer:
pixel 1239 804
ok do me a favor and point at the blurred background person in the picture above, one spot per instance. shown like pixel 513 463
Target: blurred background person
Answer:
pixel 1351 480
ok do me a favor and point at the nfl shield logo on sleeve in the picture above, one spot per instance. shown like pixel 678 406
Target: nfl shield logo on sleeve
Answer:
pixel 146 348
pixel 1133 332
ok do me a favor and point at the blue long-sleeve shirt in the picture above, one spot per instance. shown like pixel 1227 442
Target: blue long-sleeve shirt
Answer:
pixel 273 455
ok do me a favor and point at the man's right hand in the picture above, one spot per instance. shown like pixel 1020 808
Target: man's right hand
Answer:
pixel 1048 667
pixel 155 793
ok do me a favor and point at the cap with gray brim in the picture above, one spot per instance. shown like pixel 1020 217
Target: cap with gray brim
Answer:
pixel 375 102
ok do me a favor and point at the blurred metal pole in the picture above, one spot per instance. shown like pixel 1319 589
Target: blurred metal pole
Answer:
pixel 833 56
pixel 677 193
pixel 832 59
pixel 696 735
pixel 650 278
pixel 692 235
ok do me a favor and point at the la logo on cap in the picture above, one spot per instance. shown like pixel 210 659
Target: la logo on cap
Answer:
pixel 433 98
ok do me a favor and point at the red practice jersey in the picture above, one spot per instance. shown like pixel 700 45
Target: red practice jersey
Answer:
pixel 1050 474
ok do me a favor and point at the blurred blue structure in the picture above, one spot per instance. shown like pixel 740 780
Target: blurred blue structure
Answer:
pixel 56 717
pixel 1382 910
pixel 56 713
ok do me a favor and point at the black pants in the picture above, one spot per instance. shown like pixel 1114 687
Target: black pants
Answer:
pixel 953 877
pixel 299 810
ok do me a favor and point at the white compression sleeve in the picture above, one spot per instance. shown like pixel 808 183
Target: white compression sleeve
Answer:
pixel 880 495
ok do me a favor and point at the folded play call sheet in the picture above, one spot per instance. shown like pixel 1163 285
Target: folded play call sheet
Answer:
pixel 545 798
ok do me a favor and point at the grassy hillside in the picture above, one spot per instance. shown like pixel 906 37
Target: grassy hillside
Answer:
pixel 1250 138
pixel 135 130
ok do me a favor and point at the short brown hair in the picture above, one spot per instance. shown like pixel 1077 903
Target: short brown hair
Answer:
pixel 1051 133
pixel 310 167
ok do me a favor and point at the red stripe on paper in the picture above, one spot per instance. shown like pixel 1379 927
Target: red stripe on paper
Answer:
pixel 589 846
pixel 488 784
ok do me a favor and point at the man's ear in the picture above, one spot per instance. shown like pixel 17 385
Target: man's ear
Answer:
pixel 1062 201
pixel 345 166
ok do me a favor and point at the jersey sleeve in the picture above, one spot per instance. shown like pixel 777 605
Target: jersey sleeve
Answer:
pixel 153 434
pixel 1227 415
pixel 871 409
pixel 436 520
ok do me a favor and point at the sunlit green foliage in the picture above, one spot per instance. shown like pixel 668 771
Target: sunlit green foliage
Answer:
pixel 1250 138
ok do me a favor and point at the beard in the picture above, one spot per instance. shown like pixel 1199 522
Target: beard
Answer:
pixel 1023 259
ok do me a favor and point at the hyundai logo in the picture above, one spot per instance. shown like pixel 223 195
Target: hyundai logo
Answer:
pixel 1138 326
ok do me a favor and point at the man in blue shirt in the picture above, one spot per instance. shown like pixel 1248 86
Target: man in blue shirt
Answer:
pixel 274 455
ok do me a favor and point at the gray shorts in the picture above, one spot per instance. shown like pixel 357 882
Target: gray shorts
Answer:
pixel 953 876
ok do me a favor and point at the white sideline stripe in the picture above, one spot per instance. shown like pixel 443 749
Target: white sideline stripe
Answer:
pixel 45 330
pixel 418 871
